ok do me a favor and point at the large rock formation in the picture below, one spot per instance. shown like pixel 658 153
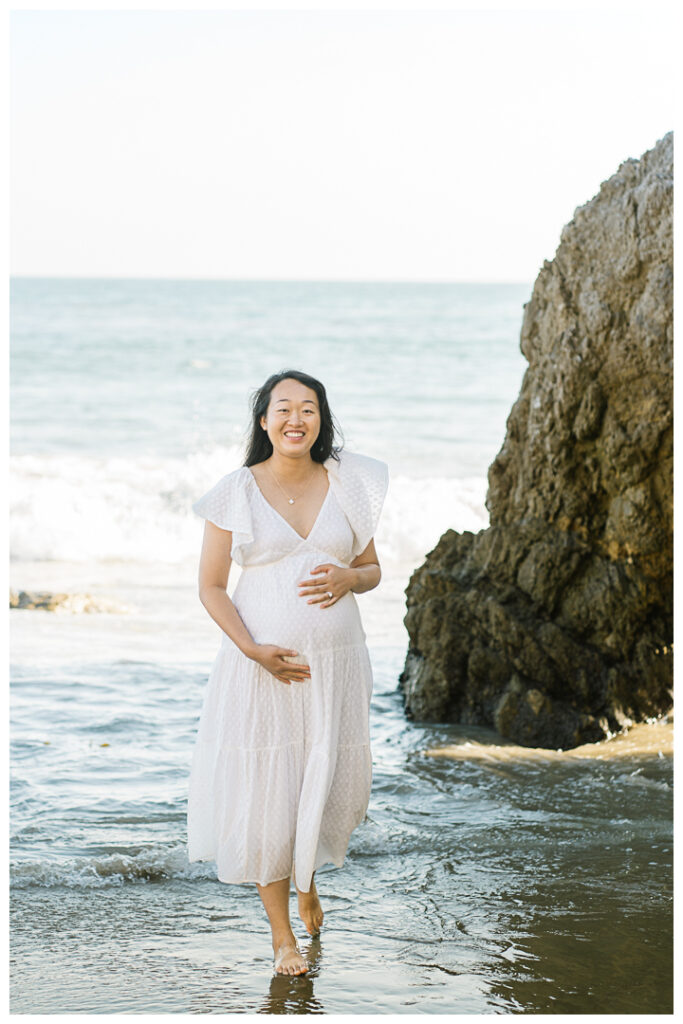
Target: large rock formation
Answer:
pixel 554 625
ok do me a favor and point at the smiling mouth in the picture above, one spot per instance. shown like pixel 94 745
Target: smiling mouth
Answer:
pixel 294 433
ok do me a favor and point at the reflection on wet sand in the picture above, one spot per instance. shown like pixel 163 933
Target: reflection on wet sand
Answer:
pixel 651 738
pixel 294 993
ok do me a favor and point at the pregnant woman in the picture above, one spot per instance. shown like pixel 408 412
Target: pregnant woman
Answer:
pixel 281 769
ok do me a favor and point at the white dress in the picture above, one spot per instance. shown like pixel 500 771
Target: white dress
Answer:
pixel 281 774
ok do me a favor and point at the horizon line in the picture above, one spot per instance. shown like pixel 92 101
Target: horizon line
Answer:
pixel 264 280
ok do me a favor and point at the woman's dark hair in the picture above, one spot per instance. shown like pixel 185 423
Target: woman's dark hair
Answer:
pixel 259 446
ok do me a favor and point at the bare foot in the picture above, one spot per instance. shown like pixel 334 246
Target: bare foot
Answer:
pixel 288 960
pixel 310 911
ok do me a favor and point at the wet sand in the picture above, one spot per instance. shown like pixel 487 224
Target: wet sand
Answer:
pixel 654 738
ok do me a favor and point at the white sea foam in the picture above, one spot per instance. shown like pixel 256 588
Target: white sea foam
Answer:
pixel 77 508
pixel 153 864
pixel 636 778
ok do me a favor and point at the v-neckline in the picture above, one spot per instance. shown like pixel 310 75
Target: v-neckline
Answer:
pixel 279 514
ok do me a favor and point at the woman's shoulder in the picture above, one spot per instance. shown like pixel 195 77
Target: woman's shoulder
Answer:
pixel 233 480
pixel 225 493
pixel 225 504
pixel 356 466
pixel 348 460
pixel 360 483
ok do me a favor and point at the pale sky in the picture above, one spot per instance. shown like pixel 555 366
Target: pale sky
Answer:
pixel 378 145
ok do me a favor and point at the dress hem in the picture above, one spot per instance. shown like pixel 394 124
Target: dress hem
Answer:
pixel 254 881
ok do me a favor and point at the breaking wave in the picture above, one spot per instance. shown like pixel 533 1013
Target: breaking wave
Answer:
pixel 78 508
pixel 154 864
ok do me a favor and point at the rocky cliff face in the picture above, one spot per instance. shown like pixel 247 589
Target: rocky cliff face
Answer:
pixel 554 625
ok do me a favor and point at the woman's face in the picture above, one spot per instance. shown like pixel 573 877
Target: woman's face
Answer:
pixel 292 419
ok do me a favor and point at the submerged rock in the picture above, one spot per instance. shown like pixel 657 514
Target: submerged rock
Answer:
pixel 40 600
pixel 554 625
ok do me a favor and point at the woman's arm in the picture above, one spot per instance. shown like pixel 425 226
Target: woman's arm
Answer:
pixel 362 574
pixel 214 569
pixel 367 570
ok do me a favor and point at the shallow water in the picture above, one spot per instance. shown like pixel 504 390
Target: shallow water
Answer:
pixel 533 882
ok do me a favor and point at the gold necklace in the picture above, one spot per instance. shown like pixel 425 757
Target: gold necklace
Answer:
pixel 290 500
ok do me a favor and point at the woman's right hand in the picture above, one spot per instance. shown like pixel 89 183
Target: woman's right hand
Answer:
pixel 274 660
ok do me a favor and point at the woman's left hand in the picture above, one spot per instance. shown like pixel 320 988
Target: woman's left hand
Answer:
pixel 332 583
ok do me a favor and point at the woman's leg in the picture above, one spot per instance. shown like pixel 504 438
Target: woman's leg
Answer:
pixel 275 897
pixel 310 911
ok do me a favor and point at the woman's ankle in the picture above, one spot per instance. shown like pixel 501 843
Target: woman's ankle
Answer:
pixel 284 938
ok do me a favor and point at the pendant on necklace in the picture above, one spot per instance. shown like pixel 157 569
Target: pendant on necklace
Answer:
pixel 291 501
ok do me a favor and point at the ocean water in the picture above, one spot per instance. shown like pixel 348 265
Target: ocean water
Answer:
pixel 494 880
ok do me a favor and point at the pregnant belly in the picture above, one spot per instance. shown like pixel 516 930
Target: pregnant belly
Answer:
pixel 269 605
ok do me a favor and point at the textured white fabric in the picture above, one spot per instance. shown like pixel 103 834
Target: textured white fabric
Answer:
pixel 281 774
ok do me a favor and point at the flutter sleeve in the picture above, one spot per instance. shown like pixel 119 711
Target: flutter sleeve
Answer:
pixel 227 506
pixel 360 484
